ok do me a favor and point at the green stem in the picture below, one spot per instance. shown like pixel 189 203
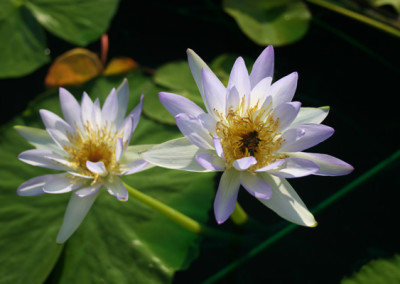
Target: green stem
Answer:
pixel 354 15
pixel 291 227
pixel 239 216
pixel 179 218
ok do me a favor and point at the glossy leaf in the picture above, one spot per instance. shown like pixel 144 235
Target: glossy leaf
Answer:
pixel 22 48
pixel 118 242
pixel 270 22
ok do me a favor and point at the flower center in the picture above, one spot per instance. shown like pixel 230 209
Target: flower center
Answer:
pixel 95 145
pixel 250 132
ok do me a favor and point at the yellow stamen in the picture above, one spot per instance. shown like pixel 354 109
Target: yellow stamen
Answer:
pixel 250 132
pixel 93 144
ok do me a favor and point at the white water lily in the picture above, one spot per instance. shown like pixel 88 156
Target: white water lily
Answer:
pixel 253 132
pixel 91 147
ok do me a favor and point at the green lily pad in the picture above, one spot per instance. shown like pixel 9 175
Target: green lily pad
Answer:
pixel 377 271
pixel 23 41
pixel 118 242
pixel 274 22
pixel 394 3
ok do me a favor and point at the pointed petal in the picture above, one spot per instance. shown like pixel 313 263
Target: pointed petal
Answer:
pixel 123 97
pixel 310 135
pixel 87 191
pixel 70 108
pixel 177 104
pixel 60 183
pixel 282 91
pixel 255 186
pixel 260 92
pixel 286 113
pixel 37 137
pixel 295 167
pixel 53 121
pixel 208 122
pixel 77 209
pixel 210 162
pixel 97 168
pixel 225 200
pixel 218 147
pixel 127 128
pixel 41 158
pixel 175 154
pixel 311 115
pixel 214 95
pixel 270 166
pixel 196 64
pixel 328 165
pixel 119 149
pixel 244 163
pixel 110 108
pixel 193 130
pixel 116 188
pixel 233 99
pixel 96 114
pixel 86 109
pixel 286 203
pixel 134 167
pixel 135 113
pixel 263 66
pixel 33 186
pixel 239 78
pixel 60 138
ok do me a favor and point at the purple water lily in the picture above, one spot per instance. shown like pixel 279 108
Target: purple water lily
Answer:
pixel 253 132
pixel 91 148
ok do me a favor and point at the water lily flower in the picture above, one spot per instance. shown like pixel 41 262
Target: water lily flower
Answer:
pixel 253 132
pixel 91 149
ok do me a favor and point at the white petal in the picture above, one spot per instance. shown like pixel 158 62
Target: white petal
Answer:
pixel 60 183
pixel 77 209
pixel 119 149
pixel 96 114
pixel 110 108
pixel 225 200
pixel 37 137
pixel 194 131
pixel 210 161
pixel 134 167
pixel 135 113
pixel 244 163
pixel 97 168
pixel 175 154
pixel 263 66
pixel 260 91
pixel 286 113
pixel 311 115
pixel 196 64
pixel 42 158
pixel 177 104
pixel 270 166
pixel 87 191
pixel 218 147
pixel 208 122
pixel 116 188
pixel 255 186
pixel 123 97
pixel 282 91
pixel 53 121
pixel 308 135
pixel 86 109
pixel 70 108
pixel 59 137
pixel 233 99
pixel 33 186
pixel 214 96
pixel 286 203
pixel 239 78
pixel 295 167
pixel 328 165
